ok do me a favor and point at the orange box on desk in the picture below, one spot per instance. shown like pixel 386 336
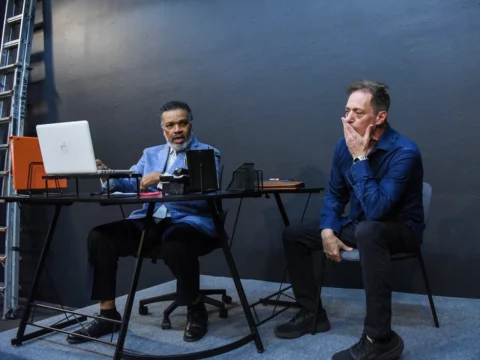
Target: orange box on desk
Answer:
pixel 27 165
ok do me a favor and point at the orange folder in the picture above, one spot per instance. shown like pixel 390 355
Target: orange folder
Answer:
pixel 27 165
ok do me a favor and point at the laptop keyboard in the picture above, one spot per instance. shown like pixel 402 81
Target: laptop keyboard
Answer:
pixel 109 171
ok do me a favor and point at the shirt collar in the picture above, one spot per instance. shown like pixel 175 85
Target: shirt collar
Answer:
pixel 387 139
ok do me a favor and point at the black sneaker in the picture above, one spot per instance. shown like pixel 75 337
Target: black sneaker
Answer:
pixel 197 322
pixel 301 324
pixel 95 329
pixel 371 349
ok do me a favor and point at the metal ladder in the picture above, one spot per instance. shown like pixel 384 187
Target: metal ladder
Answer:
pixel 16 44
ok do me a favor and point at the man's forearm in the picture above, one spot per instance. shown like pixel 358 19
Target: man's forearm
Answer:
pixel 330 218
pixel 378 198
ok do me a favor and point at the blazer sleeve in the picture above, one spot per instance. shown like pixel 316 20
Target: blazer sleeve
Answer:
pixel 127 185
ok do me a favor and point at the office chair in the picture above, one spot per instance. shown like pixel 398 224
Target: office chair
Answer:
pixel 155 253
pixel 354 255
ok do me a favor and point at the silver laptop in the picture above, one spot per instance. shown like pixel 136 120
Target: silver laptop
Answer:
pixel 67 149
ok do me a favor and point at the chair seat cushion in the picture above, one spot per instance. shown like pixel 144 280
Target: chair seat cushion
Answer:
pixel 354 255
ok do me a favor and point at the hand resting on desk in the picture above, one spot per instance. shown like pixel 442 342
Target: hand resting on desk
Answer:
pixel 101 166
pixel 150 179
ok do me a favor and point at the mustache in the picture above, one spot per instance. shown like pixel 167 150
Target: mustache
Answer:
pixel 175 137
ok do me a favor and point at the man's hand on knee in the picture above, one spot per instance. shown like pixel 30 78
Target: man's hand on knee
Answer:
pixel 332 246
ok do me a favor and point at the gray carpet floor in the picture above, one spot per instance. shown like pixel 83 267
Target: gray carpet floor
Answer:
pixel 458 337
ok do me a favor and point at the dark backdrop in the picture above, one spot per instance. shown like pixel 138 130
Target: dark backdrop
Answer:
pixel 266 81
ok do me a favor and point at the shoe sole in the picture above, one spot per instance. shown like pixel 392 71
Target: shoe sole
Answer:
pixel 196 339
pixel 319 327
pixel 392 354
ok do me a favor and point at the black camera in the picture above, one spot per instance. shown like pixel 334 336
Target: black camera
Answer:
pixel 176 184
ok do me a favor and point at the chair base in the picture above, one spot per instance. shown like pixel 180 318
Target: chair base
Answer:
pixel 223 312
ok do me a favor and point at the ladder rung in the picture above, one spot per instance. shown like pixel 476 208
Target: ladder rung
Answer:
pixel 3 147
pixel 3 228
pixel 6 94
pixel 11 44
pixel 5 120
pixel 8 69
pixel 37 57
pixel 38 27
pixel 15 19
pixel 3 173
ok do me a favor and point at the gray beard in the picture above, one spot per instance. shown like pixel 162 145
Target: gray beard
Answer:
pixel 179 147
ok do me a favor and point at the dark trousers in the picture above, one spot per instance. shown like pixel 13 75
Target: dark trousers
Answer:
pixel 376 242
pixel 181 245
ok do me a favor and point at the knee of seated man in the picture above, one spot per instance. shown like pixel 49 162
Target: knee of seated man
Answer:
pixel 292 232
pixel 98 237
pixel 94 237
pixel 172 250
pixel 173 241
pixel 367 232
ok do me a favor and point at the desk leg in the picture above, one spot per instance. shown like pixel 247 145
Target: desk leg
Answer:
pixel 36 279
pixel 283 213
pixel 133 288
pixel 236 277
pixel 277 302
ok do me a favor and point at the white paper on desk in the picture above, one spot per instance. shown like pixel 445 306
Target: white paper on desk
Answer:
pixel 118 193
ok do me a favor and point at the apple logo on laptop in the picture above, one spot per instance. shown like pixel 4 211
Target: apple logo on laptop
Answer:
pixel 64 148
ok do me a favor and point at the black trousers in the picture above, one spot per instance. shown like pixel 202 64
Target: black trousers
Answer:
pixel 376 242
pixel 181 245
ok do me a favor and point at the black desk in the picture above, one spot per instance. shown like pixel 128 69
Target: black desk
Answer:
pixel 120 353
pixel 268 300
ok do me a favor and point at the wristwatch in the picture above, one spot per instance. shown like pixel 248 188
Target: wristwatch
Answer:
pixel 360 158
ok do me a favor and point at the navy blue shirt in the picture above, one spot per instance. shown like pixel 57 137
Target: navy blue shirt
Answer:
pixel 386 187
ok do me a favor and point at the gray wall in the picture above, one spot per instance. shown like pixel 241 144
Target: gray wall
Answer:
pixel 266 81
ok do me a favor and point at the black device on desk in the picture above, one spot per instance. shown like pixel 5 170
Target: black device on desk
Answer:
pixel 200 177
pixel 202 171
pixel 176 184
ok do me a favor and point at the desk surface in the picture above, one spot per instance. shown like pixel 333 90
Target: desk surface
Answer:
pixel 115 199
pixel 292 191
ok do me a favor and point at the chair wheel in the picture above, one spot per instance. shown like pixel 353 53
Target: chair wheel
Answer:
pixel 223 313
pixel 166 324
pixel 143 310
pixel 227 299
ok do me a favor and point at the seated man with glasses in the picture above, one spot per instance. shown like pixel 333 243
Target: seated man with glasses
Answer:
pixel 184 229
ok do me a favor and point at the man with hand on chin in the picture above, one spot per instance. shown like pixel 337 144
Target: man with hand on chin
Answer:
pixel 380 172
pixel 184 229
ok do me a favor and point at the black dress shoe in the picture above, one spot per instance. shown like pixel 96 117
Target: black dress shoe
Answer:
pixel 301 324
pixel 95 329
pixel 197 323
pixel 371 349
